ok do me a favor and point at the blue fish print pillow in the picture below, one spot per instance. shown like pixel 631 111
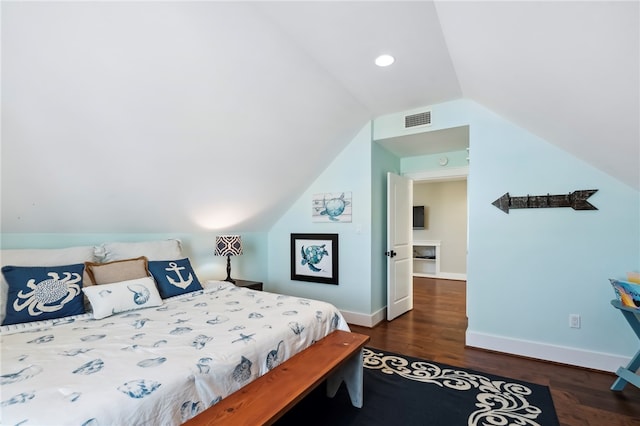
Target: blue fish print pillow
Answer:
pixel 43 292
pixel 174 277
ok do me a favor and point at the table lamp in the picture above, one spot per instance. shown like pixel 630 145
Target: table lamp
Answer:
pixel 228 245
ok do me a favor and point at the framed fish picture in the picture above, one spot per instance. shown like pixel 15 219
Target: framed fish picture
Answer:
pixel 331 207
pixel 314 258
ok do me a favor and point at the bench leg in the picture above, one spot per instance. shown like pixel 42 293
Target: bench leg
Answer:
pixel 351 374
pixel 628 374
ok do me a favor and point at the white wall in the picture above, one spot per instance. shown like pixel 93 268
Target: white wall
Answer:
pixel 157 116
pixel 528 270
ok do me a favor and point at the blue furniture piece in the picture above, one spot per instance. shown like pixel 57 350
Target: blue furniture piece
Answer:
pixel 628 374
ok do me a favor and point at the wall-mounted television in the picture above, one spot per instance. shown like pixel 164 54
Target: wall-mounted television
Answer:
pixel 418 217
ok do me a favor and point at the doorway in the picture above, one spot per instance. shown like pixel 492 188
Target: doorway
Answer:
pixel 444 205
pixel 444 196
pixel 435 155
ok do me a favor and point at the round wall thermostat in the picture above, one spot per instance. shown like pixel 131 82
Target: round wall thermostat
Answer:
pixel 443 161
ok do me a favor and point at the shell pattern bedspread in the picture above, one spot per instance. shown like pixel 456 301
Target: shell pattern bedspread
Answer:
pixel 153 366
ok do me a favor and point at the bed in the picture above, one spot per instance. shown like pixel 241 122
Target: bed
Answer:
pixel 162 363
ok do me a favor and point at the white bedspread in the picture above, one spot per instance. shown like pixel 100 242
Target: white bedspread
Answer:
pixel 157 366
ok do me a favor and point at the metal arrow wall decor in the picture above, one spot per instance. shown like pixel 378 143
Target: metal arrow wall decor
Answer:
pixel 576 200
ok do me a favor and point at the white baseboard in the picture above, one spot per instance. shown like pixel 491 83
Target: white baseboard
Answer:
pixel 444 276
pixel 452 276
pixel 365 320
pixel 555 353
pixel 561 354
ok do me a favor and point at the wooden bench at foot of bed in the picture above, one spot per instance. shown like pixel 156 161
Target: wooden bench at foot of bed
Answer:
pixel 336 358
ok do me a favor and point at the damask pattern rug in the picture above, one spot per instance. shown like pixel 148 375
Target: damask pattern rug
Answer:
pixel 401 390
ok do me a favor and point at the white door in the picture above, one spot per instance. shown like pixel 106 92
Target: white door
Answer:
pixel 399 245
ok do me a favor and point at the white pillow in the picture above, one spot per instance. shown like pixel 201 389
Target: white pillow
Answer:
pixel 109 299
pixel 40 257
pixel 152 250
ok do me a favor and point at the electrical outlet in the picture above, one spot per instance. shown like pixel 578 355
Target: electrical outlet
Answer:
pixel 574 321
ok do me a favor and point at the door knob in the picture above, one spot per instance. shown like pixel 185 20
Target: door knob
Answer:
pixel 390 253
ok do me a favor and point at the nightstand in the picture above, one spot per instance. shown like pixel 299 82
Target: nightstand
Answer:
pixel 253 285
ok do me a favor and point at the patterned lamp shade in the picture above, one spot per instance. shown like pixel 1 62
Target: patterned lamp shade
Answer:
pixel 228 245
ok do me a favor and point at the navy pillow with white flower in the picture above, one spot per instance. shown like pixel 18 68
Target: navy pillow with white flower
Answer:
pixel 174 277
pixel 43 292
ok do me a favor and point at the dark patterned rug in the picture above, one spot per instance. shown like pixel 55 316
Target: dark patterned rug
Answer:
pixel 401 390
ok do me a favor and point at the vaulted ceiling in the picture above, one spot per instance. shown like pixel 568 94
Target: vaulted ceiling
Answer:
pixel 184 116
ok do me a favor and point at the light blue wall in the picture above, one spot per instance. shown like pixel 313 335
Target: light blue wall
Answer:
pixel 252 265
pixel 551 262
pixel 382 163
pixel 528 270
pixel 421 163
pixel 350 171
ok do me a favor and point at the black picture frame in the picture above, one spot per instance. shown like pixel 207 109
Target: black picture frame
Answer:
pixel 314 258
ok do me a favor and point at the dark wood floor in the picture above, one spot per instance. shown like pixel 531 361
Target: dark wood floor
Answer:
pixel 435 330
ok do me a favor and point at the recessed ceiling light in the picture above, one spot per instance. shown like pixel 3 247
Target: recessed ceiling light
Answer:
pixel 384 60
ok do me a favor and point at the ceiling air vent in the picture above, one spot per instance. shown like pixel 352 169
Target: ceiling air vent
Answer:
pixel 420 119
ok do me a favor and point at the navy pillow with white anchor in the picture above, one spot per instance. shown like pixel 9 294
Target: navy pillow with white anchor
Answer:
pixel 174 277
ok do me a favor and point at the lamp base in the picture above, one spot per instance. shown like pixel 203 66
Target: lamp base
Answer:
pixel 231 280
